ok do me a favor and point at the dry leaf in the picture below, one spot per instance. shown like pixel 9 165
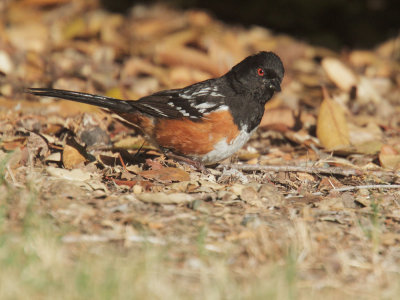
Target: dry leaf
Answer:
pixel 130 183
pixel 365 140
pixel 13 144
pixel 56 156
pixel 72 157
pixel 246 155
pixel 176 55
pixel 360 135
pixel 6 64
pixel 328 183
pixel 279 119
pixel 361 58
pixel 37 145
pixel 74 175
pixel 163 198
pixel 29 38
pixel 339 73
pixel 166 174
pixel 301 137
pixel 389 157
pixel 370 147
pixel 332 130
pixel 75 28
pixel 133 143
pixel 154 164
pixel 366 91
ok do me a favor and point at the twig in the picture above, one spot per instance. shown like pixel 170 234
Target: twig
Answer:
pixel 85 238
pixel 314 170
pixel 370 186
pixel 122 162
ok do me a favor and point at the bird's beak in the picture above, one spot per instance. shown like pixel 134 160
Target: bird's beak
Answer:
pixel 275 85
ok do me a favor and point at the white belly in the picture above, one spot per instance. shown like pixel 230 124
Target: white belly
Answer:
pixel 223 149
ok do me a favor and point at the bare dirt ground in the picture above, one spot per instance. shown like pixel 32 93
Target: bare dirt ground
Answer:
pixel 89 211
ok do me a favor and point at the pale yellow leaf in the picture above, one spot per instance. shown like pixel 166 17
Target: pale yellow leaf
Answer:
pixel 332 130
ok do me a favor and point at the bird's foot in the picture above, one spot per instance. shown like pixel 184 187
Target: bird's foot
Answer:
pixel 193 163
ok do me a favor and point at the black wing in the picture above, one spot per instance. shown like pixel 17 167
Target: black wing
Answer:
pixel 192 102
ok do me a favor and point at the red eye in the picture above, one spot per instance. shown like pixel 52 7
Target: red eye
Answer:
pixel 260 72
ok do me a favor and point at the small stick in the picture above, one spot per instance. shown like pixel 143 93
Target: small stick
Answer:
pixel 370 186
pixel 122 162
pixel 315 170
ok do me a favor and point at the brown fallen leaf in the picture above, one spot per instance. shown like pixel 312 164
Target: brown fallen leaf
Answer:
pixel 332 130
pixel 183 76
pixel 369 147
pixel 13 144
pixel 329 183
pixel 134 66
pixel 339 73
pixel 362 58
pixel 133 143
pixel 301 137
pixel 166 174
pixel 366 139
pixel 389 157
pixel 138 186
pixel 72 157
pixel 129 183
pixel 154 165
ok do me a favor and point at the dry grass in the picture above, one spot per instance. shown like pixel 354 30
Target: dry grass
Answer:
pixel 35 263
pixel 101 230
pixel 294 260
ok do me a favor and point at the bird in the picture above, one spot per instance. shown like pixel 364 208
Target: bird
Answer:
pixel 203 123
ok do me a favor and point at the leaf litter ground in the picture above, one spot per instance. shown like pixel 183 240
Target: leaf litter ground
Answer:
pixel 79 191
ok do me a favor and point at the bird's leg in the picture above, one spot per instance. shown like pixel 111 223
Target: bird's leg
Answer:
pixel 196 164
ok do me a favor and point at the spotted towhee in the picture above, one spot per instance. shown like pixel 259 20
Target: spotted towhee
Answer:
pixel 202 123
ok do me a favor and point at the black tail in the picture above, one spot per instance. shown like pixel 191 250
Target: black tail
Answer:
pixel 102 101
